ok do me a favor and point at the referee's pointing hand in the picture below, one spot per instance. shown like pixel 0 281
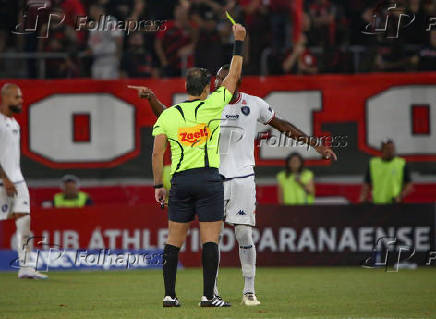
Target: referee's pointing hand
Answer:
pixel 239 32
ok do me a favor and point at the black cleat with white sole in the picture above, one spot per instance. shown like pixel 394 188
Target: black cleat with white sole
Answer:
pixel 216 301
pixel 168 301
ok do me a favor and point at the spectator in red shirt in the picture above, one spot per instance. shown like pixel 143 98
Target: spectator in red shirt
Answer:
pixel 175 45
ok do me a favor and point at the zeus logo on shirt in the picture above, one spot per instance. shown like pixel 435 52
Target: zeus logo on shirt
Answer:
pixel 196 135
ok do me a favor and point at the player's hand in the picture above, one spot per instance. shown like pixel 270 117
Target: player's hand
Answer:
pixel 11 191
pixel 143 91
pixel 159 195
pixel 239 32
pixel 326 152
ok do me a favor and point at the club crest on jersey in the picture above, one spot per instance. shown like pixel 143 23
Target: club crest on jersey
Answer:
pixel 196 135
pixel 4 208
pixel 245 110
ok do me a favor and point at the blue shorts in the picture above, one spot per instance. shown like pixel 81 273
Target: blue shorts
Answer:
pixel 196 191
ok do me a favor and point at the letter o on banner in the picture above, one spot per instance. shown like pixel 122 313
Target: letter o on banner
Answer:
pixel 407 114
pixel 75 128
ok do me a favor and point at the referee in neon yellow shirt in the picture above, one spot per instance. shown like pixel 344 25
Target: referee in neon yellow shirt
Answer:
pixel 192 128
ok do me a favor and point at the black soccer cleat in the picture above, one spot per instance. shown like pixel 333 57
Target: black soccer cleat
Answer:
pixel 170 302
pixel 216 301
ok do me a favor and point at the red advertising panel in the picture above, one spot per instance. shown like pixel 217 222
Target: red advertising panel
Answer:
pixel 298 235
pixel 78 124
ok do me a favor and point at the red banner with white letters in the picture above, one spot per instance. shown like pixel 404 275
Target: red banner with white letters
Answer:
pixel 103 125
pixel 292 235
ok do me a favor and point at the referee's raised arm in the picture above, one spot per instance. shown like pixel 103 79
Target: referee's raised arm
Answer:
pixel 231 80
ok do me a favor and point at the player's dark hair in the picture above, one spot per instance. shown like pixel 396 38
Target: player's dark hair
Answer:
pixel 196 80
pixel 226 67
pixel 288 159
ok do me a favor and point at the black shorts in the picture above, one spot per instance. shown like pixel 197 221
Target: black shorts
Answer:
pixel 196 191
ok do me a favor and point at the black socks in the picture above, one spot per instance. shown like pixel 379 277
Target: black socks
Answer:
pixel 210 258
pixel 170 261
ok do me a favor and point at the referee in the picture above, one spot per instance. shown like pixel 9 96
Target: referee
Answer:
pixel 192 129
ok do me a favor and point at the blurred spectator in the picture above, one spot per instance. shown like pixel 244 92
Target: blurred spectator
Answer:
pixel 105 44
pixel 426 58
pixel 72 9
pixel 126 9
pixel 300 60
pixel 387 176
pixel 413 33
pixel 162 9
pixel 256 18
pixel 295 183
pixel 175 45
pixel 71 196
pixel 136 61
pixel 391 56
pixel 8 21
pixel 209 49
pixel 322 14
pixel 61 39
pixel 280 25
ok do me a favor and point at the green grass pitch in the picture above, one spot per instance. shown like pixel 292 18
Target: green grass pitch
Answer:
pixel 319 292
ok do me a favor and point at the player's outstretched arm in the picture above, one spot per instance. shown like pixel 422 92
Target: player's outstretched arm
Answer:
pixel 231 80
pixel 298 135
pixel 146 93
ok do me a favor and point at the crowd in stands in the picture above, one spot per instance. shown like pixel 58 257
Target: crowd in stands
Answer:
pixel 336 36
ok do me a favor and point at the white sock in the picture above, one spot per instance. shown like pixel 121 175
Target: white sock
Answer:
pixel 23 235
pixel 215 288
pixel 247 255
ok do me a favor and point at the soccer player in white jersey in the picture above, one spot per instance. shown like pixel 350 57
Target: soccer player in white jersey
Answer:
pixel 14 195
pixel 238 133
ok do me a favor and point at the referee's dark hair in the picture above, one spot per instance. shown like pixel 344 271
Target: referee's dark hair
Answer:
pixel 196 80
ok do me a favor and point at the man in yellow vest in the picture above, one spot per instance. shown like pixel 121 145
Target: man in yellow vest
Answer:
pixel 71 196
pixel 387 176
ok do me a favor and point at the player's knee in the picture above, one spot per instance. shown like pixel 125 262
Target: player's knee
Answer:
pixel 244 235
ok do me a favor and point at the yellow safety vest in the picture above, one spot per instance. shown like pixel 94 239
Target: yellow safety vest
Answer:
pixel 293 193
pixel 60 200
pixel 386 179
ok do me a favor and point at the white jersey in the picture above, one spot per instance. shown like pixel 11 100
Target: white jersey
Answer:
pixel 10 148
pixel 238 133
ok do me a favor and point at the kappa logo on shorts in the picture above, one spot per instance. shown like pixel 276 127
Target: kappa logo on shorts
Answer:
pixel 245 110
pixel 241 213
pixel 196 135
pixel 5 208
pixel 25 203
